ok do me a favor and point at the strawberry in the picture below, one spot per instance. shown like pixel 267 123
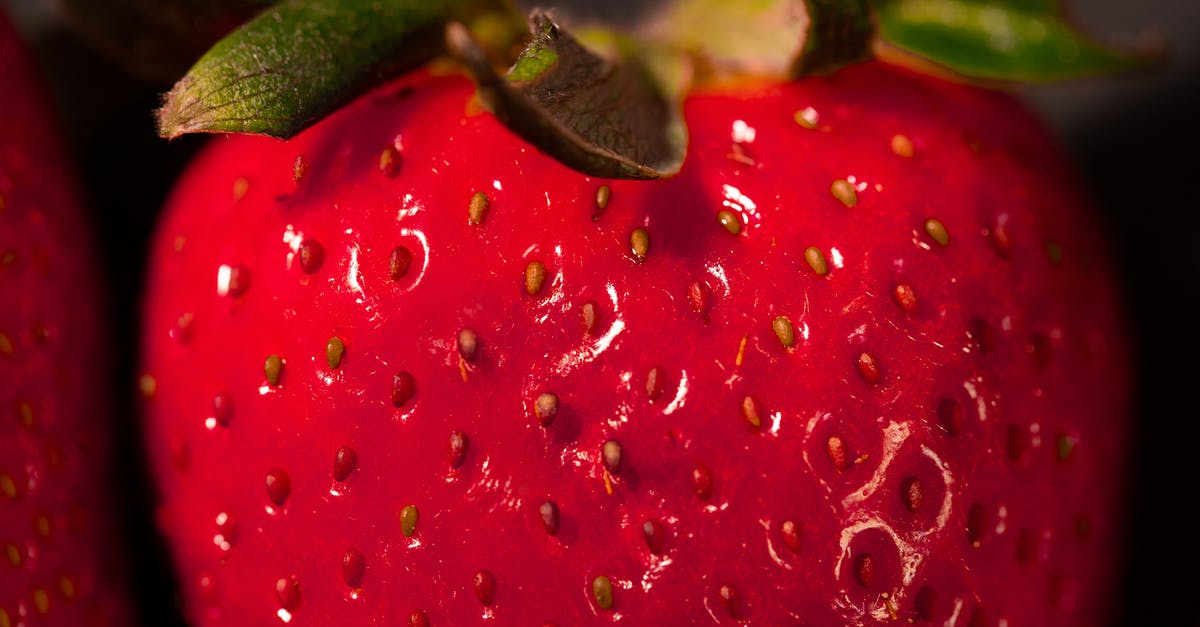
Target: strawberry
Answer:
pixel 56 557
pixel 859 361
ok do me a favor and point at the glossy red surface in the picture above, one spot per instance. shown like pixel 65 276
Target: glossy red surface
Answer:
pixel 810 518
pixel 57 566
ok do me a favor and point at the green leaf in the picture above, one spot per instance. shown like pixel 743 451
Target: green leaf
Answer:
pixel 607 119
pixel 301 60
pixel 1009 40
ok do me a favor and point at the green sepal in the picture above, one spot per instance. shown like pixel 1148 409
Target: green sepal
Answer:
pixel 605 118
pixel 1004 40
pixel 302 59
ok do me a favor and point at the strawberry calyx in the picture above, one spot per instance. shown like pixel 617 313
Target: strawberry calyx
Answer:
pixel 614 115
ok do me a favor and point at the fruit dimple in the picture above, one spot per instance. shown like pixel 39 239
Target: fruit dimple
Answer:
pixel 868 368
pixel 545 408
pixel 484 585
pixel 399 261
pixel 864 569
pixel 223 408
pixel 312 255
pixel 655 536
pixel 731 600
pixel 702 481
pixel 839 454
pixel 925 603
pixel 950 416
pixel 354 565
pixel 548 512
pixel 287 592
pixel 344 463
pixel 977 523
pixel 457 452
pixel 403 388
pixel 789 530
pixel 911 493
pixel 279 486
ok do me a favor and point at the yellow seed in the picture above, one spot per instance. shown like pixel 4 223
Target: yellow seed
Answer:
pixel 67 586
pixel 148 385
pixel 784 331
pixel 299 169
pixel 5 621
pixel 535 277
pixel 334 351
pixel 25 411
pixel 14 555
pixel 41 600
pixel 902 146
pixel 8 487
pixel 6 345
pixel 240 187
pixel 603 194
pixel 272 369
pixel 639 243
pixel 816 260
pixel 389 161
pixel 844 191
pixel 477 209
pixel 730 221
pixel 408 520
pixel 42 524
pixel 807 117
pixel 937 231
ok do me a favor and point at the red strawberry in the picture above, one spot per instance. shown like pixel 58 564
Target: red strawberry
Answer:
pixel 858 362
pixel 56 554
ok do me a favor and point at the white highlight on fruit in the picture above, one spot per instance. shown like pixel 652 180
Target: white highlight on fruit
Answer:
pixel 657 566
pixel 776 418
pixel 352 272
pixel 592 349
pixel 894 436
pixel 292 238
pixel 766 525
pixel 835 256
pixel 972 388
pixel 284 615
pixel 224 274
pixel 420 237
pixel 742 133
pixel 680 395
pixel 741 203
pixel 947 496
pixel 953 620
pixel 719 274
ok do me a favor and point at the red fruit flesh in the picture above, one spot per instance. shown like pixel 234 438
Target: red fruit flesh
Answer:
pixel 56 549
pixel 901 466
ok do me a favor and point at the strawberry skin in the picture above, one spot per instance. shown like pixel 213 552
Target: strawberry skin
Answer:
pixel 57 566
pixel 860 361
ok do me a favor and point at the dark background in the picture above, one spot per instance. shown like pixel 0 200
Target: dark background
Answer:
pixel 1133 139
